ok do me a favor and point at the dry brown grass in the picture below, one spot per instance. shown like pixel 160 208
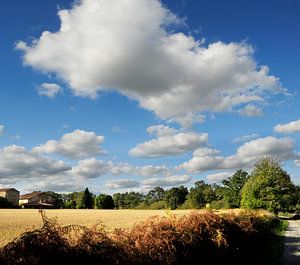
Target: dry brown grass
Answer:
pixel 204 237
pixel 14 222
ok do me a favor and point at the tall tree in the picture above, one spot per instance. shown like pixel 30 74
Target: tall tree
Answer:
pixel 268 187
pixel 233 188
pixel 155 195
pixel 87 200
pixel 176 196
pixel 200 195
pixel 104 201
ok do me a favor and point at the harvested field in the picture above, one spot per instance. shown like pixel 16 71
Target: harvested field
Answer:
pixel 14 222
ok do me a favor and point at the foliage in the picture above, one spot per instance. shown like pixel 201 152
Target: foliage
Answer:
pixel 4 203
pixel 230 238
pixel 58 199
pixel 200 195
pixel 87 200
pixel 154 195
pixel 268 187
pixel 176 196
pixel 128 200
pixel 104 201
pixel 233 187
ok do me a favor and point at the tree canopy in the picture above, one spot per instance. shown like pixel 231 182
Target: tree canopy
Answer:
pixel 268 187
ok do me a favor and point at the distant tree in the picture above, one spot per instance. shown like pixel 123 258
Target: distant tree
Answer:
pixel 87 200
pixel 176 196
pixel 154 195
pixel 104 201
pixel 268 187
pixel 233 188
pixel 200 195
pixel 128 200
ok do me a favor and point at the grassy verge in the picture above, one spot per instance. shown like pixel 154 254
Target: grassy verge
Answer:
pixel 200 238
pixel 271 253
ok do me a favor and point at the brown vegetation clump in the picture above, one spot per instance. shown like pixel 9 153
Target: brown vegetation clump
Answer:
pixel 199 238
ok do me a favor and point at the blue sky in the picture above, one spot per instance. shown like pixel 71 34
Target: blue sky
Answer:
pixel 127 95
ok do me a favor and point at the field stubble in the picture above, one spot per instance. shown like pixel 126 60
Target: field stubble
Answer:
pixel 14 222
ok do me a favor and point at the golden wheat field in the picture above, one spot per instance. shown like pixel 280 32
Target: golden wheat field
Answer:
pixel 13 222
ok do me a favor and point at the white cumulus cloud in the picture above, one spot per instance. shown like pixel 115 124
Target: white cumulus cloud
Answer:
pixel 122 184
pixel 167 143
pixel 167 181
pixel 251 111
pixel 125 46
pixel 218 177
pixel 246 155
pixel 17 163
pixel 74 145
pixel 291 127
pixel 49 90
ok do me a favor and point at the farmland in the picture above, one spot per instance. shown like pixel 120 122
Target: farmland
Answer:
pixel 230 237
pixel 14 222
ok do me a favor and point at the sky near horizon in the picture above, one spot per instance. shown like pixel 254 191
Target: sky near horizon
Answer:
pixel 126 95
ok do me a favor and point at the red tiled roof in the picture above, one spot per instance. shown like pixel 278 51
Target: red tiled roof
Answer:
pixel 30 195
pixel 7 189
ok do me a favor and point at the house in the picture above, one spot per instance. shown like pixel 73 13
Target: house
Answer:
pixel 11 194
pixel 36 199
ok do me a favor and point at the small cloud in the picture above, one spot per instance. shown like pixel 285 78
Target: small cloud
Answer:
pixel 250 111
pixel 291 127
pixel 16 137
pixel 49 90
pixel 72 108
pixel 218 177
pixel 122 184
pixel 1 130
pixel 66 126
pixel 245 138
pixel 297 163
pixel 116 129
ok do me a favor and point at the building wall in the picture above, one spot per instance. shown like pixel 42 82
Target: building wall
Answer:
pixel 12 196
pixel 41 198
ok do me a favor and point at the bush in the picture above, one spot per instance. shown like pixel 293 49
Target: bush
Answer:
pixel 199 238
pixel 4 203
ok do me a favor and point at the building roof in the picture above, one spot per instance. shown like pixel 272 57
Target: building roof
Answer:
pixel 7 189
pixel 30 195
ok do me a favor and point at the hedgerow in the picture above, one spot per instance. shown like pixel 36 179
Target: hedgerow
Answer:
pixel 200 238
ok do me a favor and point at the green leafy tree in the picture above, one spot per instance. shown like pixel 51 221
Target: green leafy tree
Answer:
pixel 154 195
pixel 268 187
pixel 87 200
pixel 58 199
pixel 233 187
pixel 104 201
pixel 200 195
pixel 128 200
pixel 176 196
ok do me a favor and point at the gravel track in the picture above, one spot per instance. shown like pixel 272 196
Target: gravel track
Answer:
pixel 292 244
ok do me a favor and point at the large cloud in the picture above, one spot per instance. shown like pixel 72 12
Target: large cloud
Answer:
pixel 74 145
pixel 93 168
pixel 246 155
pixel 17 163
pixel 123 45
pixel 169 142
pixel 291 127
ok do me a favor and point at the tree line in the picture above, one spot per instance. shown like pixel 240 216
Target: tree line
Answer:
pixel 267 187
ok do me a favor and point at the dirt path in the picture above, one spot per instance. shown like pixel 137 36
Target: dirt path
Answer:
pixel 292 244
